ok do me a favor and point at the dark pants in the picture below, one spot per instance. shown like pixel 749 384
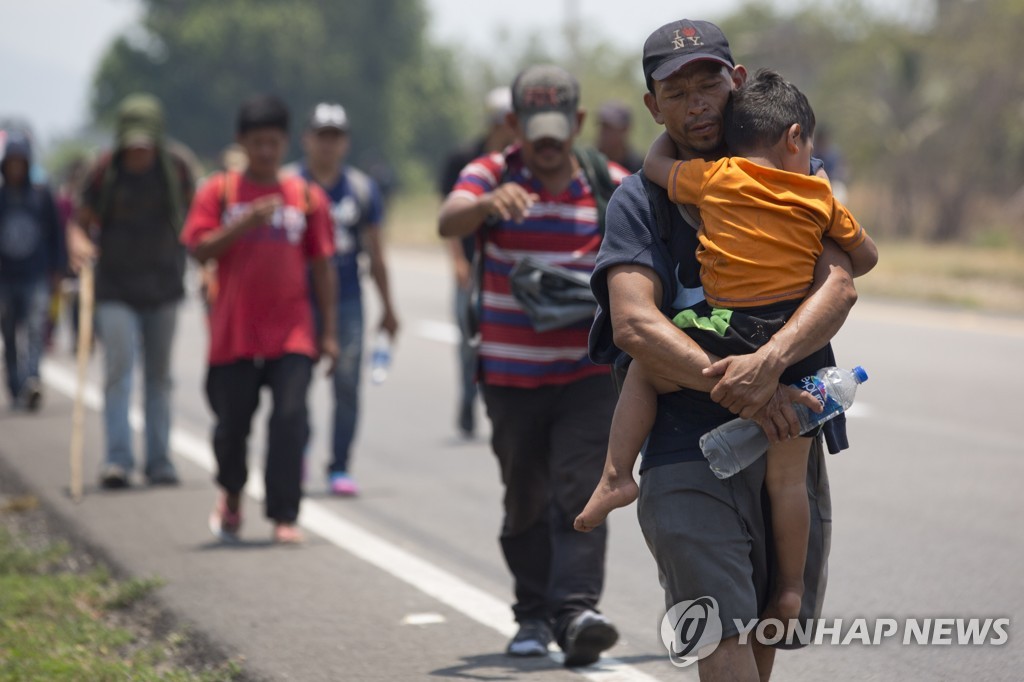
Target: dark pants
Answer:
pixel 712 537
pixel 23 305
pixel 234 394
pixel 551 444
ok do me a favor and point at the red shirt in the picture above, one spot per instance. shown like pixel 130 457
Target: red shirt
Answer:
pixel 263 308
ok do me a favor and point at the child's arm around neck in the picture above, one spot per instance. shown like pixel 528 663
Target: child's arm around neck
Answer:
pixel 660 159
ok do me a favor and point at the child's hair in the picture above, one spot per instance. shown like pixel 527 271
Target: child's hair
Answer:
pixel 262 111
pixel 762 110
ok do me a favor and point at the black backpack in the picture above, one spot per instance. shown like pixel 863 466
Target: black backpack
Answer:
pixel 594 165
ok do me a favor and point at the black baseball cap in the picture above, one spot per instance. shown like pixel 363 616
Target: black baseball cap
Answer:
pixel 546 99
pixel 678 43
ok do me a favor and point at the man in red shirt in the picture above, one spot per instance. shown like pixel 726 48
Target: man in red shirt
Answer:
pixel 265 233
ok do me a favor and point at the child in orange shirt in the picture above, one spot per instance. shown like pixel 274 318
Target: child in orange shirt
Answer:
pixel 764 219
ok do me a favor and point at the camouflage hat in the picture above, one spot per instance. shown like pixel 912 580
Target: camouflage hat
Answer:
pixel 140 121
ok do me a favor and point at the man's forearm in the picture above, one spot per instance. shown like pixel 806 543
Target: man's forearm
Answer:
pixel 216 243
pixel 642 330
pixel 324 288
pixel 461 216
pixel 819 317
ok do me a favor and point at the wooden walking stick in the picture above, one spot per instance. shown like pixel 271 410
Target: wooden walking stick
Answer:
pixel 85 312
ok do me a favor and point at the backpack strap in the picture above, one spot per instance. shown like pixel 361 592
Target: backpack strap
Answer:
pixel 104 179
pixel 229 181
pixel 595 167
pixel 360 184
pixel 661 206
pixel 175 173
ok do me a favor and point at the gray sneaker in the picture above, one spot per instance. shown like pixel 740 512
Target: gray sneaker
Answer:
pixel 165 477
pixel 32 394
pixel 587 636
pixel 113 477
pixel 533 639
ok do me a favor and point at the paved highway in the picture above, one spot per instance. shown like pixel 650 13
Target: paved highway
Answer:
pixel 407 581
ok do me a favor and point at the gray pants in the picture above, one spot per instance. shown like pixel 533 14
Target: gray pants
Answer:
pixel 712 537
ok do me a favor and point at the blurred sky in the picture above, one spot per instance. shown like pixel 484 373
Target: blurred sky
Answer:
pixel 49 49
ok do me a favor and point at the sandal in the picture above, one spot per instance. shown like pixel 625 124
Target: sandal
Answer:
pixel 288 534
pixel 225 523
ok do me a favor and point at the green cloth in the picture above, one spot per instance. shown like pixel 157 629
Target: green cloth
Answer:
pixel 718 322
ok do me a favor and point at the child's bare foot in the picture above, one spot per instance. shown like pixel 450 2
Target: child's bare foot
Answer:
pixel 609 494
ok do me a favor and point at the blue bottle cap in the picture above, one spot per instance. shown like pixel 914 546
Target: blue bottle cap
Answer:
pixel 859 374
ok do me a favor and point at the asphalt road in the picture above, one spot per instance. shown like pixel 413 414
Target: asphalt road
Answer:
pixel 406 582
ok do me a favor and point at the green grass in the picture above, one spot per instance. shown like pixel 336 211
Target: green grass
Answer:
pixel 975 277
pixel 58 625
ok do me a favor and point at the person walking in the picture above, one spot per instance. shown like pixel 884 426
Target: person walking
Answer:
pixel 498 135
pixel 265 231
pixel 709 537
pixel 134 201
pixel 357 214
pixel 32 260
pixel 549 405
pixel 615 121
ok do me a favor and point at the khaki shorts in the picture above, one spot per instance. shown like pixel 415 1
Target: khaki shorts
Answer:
pixel 712 537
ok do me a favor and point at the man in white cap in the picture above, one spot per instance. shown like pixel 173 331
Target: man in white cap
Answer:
pixel 549 405
pixel 357 211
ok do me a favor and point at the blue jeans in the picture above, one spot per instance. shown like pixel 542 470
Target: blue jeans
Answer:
pixel 121 328
pixel 22 305
pixel 346 381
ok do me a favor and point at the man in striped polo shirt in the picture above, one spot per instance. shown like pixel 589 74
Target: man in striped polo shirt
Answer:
pixel 549 405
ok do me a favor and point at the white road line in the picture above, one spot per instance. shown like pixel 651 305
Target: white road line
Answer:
pixel 320 519
pixel 434 330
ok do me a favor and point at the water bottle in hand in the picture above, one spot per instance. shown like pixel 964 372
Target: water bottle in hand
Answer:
pixel 380 359
pixel 733 446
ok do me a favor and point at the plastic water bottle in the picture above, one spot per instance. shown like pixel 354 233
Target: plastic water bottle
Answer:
pixel 380 359
pixel 736 444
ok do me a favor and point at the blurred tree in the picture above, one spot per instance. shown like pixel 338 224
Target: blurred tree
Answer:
pixel 203 58
pixel 931 113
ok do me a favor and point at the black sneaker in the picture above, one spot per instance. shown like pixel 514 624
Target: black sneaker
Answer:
pixel 113 477
pixel 33 393
pixel 588 635
pixel 533 639
pixel 467 420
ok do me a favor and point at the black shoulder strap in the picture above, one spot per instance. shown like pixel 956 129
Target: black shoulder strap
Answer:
pixel 662 207
pixel 595 167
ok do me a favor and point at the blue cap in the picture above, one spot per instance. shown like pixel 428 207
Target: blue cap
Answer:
pixel 859 374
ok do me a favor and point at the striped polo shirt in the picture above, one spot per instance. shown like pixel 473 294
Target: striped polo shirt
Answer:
pixel 559 229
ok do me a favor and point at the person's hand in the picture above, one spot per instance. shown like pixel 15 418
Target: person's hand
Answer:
pixel 389 322
pixel 81 250
pixel 261 211
pixel 778 418
pixel 746 384
pixel 509 202
pixel 329 351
